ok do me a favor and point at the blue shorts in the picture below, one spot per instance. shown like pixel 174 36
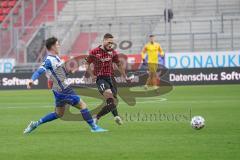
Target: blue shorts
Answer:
pixel 67 96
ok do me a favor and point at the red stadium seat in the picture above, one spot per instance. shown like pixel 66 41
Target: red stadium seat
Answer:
pixel 4 4
pixel 12 3
pixel 6 10
pixel 1 18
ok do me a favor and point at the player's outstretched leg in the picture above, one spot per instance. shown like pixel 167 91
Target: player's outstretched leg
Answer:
pixel 34 124
pixel 110 107
pixel 88 117
pixel 107 108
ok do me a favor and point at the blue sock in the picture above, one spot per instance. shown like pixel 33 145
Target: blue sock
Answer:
pixel 49 117
pixel 87 117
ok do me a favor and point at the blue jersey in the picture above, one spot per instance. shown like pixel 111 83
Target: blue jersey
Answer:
pixel 55 69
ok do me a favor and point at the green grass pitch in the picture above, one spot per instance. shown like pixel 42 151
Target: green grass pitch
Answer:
pixel 167 137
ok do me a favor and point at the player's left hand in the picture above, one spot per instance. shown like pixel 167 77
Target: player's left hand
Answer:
pixel 129 79
pixel 29 84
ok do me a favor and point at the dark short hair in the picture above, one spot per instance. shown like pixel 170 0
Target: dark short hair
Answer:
pixel 151 35
pixel 107 35
pixel 51 42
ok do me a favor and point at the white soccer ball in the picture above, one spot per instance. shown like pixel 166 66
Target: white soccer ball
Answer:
pixel 198 122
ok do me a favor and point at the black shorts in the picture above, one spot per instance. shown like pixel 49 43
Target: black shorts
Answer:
pixel 106 82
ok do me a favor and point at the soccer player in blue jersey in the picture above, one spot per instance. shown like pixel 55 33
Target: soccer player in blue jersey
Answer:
pixel 63 93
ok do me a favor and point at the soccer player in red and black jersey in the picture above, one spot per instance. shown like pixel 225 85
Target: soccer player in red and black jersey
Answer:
pixel 102 59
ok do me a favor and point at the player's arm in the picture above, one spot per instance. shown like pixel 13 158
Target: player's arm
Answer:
pixel 89 61
pixel 160 51
pixel 122 71
pixel 121 68
pixel 90 72
pixel 143 53
pixel 119 64
pixel 35 76
pixel 46 65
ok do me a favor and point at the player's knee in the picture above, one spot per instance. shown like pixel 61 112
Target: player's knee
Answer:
pixel 151 74
pixel 60 114
pixel 60 111
pixel 108 94
pixel 155 75
pixel 83 105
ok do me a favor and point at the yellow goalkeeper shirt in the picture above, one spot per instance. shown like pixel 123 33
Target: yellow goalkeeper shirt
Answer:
pixel 152 50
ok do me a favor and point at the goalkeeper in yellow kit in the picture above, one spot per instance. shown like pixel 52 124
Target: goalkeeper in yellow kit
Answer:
pixel 152 50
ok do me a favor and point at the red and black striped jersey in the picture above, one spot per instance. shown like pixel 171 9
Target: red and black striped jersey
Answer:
pixel 103 61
